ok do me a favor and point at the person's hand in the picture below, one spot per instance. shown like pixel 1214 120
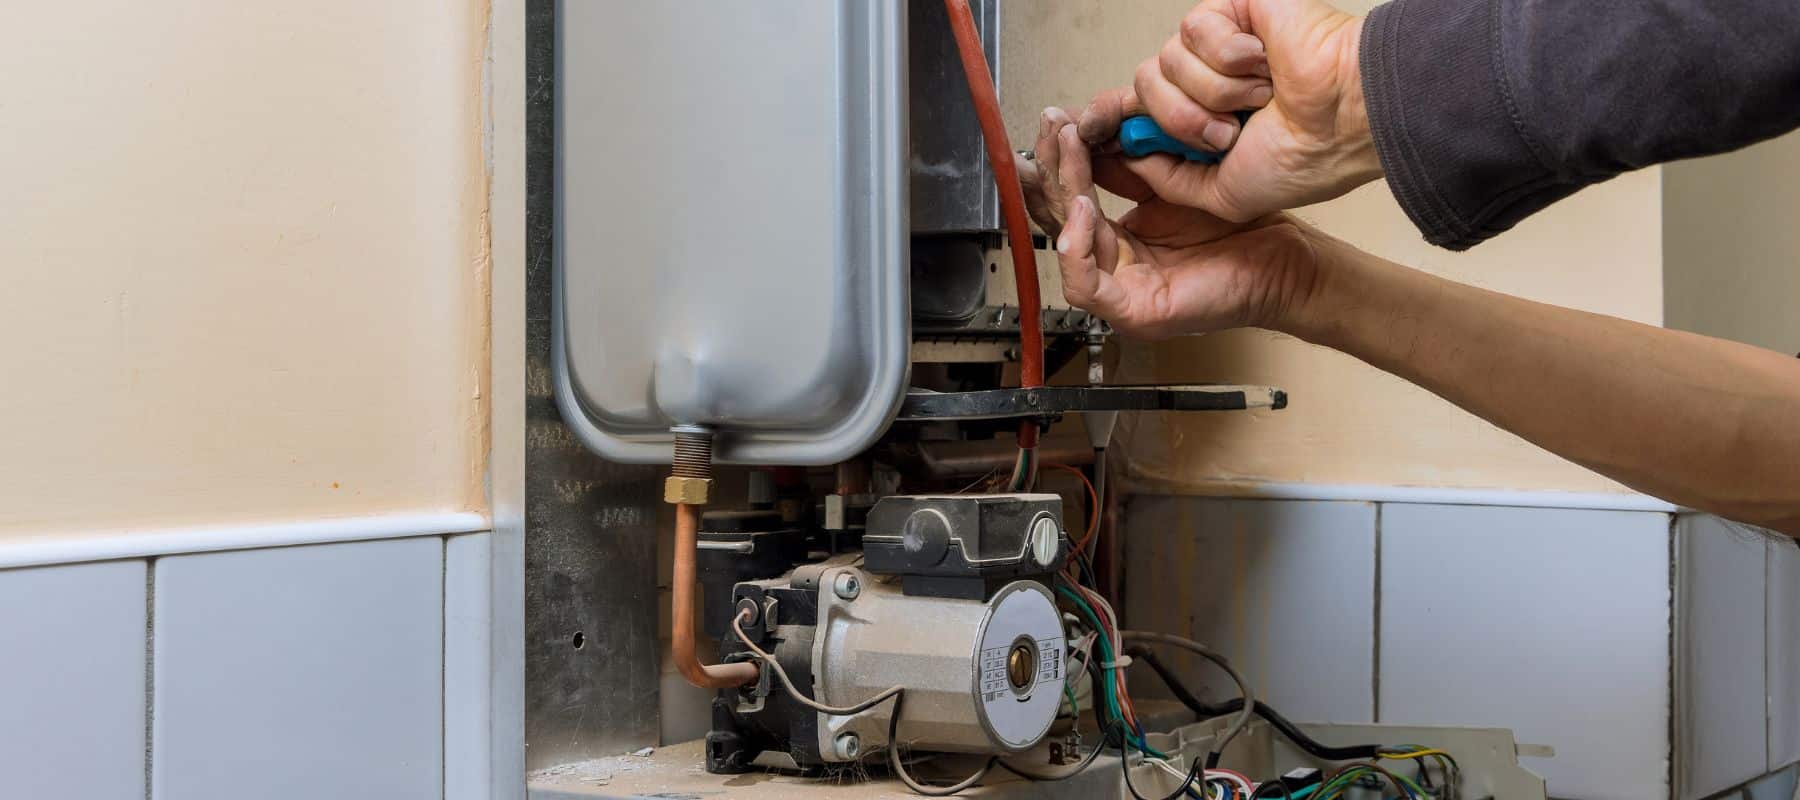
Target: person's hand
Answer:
pixel 1162 269
pixel 1295 61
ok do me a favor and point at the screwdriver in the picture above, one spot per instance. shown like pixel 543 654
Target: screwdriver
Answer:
pixel 1140 136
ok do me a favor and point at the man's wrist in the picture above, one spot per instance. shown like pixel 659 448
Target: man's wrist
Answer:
pixel 1361 161
pixel 1317 310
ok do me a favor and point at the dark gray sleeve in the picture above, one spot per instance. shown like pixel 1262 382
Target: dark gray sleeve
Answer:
pixel 1485 111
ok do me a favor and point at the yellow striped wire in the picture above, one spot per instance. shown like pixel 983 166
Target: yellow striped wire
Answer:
pixel 1413 754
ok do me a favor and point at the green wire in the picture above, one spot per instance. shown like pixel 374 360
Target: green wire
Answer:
pixel 1110 695
pixel 1335 788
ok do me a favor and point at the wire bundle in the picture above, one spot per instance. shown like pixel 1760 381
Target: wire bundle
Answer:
pixel 1102 655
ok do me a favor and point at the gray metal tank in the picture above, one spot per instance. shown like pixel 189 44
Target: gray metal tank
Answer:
pixel 732 226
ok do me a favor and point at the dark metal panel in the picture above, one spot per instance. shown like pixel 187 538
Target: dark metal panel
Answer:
pixel 590 526
pixel 952 185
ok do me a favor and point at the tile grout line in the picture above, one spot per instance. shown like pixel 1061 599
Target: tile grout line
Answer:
pixel 1375 643
pixel 443 666
pixel 1675 760
pixel 149 677
pixel 1768 719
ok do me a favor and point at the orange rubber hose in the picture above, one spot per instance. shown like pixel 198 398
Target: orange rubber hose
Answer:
pixel 1012 201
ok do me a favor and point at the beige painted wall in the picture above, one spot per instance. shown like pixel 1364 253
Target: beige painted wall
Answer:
pixel 246 262
pixel 1732 245
pixel 1348 423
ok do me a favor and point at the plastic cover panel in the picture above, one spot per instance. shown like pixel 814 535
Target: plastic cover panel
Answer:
pixel 731 226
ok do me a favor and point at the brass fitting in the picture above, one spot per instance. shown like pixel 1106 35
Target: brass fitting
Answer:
pixel 678 490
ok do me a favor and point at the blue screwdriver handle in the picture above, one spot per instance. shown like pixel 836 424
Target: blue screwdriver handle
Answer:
pixel 1141 136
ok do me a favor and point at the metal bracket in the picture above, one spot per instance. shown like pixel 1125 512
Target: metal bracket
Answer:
pixel 1048 401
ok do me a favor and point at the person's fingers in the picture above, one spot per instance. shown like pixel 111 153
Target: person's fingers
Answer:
pixel 1205 85
pixel 1161 222
pixel 1078 181
pixel 1111 174
pixel 1046 146
pixel 1085 284
pixel 1037 202
pixel 1216 33
pixel 1075 257
pixel 1179 115
pixel 1075 164
pixel 1187 183
pixel 1099 122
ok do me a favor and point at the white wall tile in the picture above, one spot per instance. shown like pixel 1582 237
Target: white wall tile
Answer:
pixel 1283 588
pixel 1721 714
pixel 72 681
pixel 1784 654
pixel 468 669
pixel 300 673
pixel 1554 623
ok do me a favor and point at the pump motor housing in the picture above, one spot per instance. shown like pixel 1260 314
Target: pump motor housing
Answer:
pixel 978 648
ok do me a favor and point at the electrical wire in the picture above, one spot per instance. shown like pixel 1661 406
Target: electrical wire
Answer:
pixel 896 692
pixel 1239 778
pixel 1093 525
pixel 896 766
pixel 1193 774
pixel 978 481
pixel 1096 677
pixel 1099 487
pixel 1261 792
pixel 1452 770
pixel 1340 781
pixel 1243 717
pixel 788 684
pixel 1025 469
pixel 1275 719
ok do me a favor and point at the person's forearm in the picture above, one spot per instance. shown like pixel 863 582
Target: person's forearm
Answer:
pixel 1486 111
pixel 1701 422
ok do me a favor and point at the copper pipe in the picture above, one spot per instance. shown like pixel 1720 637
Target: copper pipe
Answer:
pixel 687 662
pixel 853 477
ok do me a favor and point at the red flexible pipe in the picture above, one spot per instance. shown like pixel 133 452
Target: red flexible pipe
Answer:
pixel 1012 201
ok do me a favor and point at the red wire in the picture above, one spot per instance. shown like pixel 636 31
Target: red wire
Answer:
pixel 1012 202
pixel 1093 526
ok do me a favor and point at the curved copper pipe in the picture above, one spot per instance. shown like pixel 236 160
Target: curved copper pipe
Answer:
pixel 681 607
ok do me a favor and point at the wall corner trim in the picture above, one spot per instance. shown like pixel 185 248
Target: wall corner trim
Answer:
pixel 1426 495
pixel 71 548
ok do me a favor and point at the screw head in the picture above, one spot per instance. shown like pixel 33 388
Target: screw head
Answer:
pixel 846 586
pixel 847 746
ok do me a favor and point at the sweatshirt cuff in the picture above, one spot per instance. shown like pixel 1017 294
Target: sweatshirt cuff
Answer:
pixel 1445 127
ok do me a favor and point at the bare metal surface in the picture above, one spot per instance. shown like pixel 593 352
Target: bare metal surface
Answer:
pixel 755 281
pixel 590 542
pixel 878 637
pixel 952 184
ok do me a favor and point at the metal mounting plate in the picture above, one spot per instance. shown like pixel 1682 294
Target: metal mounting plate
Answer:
pixel 921 406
